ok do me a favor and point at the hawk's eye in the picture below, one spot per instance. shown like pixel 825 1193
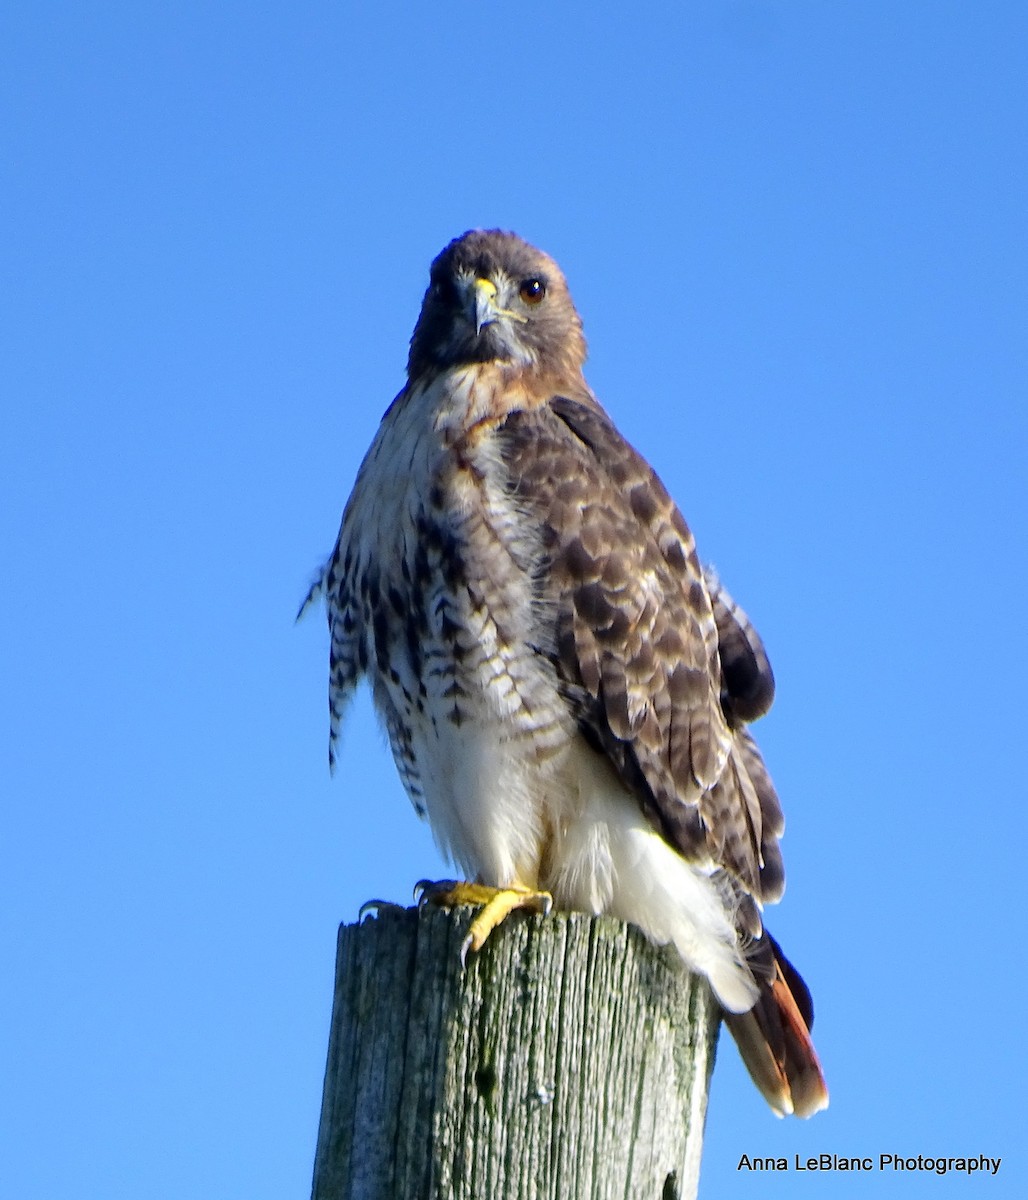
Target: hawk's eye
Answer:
pixel 532 291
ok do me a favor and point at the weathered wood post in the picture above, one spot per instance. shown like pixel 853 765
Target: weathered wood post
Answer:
pixel 570 1061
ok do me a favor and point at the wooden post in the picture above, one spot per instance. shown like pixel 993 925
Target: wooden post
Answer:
pixel 570 1061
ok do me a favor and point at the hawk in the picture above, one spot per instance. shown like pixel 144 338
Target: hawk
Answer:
pixel 566 691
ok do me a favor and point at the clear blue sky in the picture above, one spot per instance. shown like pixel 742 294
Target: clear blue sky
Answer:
pixel 798 235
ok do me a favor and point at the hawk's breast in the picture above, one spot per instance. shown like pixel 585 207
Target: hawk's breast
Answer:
pixel 442 598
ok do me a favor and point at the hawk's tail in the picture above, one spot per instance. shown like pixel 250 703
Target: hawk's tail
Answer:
pixel 774 1041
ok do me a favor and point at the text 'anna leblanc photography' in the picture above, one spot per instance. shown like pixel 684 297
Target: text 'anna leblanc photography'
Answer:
pixel 941 1165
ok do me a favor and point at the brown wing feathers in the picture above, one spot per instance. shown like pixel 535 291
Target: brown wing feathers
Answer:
pixel 637 640
pixel 748 681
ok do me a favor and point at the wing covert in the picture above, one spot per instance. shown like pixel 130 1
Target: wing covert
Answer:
pixel 635 643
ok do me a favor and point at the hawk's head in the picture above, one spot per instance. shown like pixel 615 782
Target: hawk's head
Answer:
pixel 494 298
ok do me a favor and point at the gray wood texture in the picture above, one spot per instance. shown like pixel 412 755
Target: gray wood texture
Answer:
pixel 570 1060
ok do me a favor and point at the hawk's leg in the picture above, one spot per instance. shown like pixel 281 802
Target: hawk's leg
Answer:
pixel 496 905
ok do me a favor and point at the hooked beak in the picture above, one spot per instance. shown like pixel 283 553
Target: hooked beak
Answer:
pixel 483 304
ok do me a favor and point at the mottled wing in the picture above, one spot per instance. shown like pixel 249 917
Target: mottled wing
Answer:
pixel 748 683
pixel 636 643
pixel 747 690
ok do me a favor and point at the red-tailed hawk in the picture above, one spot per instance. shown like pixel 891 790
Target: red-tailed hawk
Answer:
pixel 565 690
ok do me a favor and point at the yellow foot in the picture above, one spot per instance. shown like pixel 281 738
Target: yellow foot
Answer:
pixel 496 905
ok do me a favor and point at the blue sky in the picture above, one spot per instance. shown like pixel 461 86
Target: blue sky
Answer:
pixel 797 235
